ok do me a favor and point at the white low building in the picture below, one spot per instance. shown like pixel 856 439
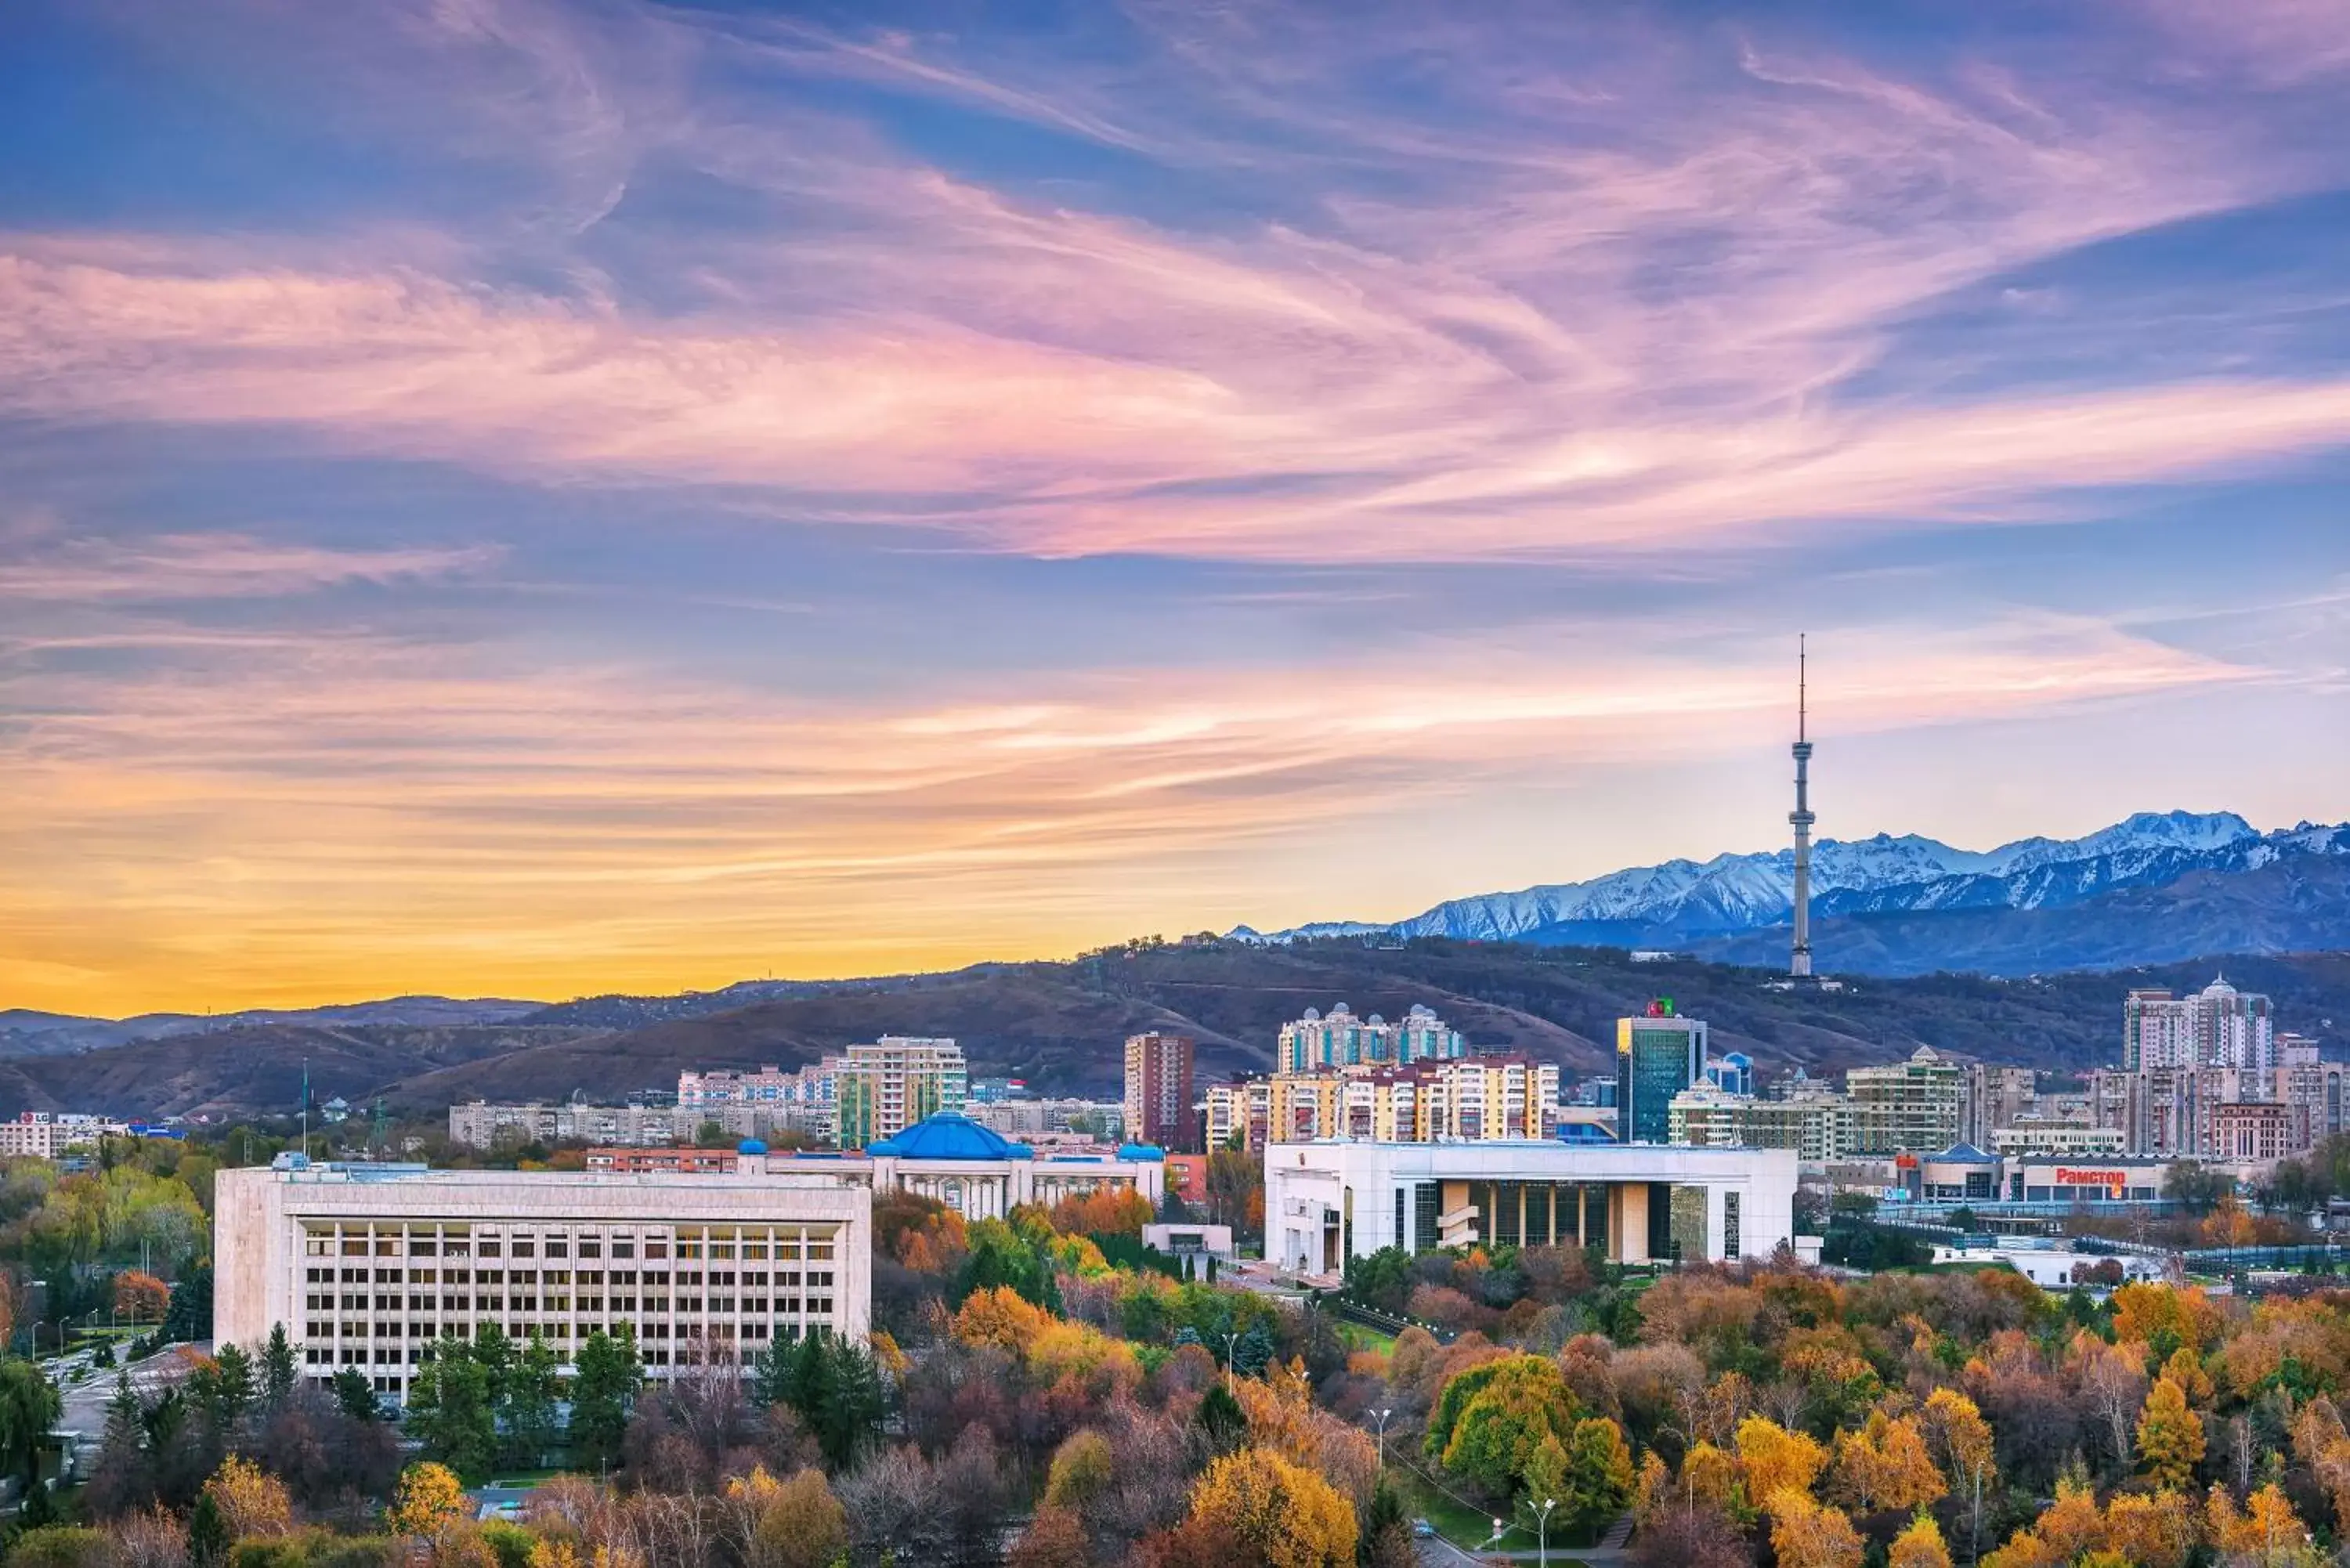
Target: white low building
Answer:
pixel 367 1266
pixel 1327 1201
pixel 975 1170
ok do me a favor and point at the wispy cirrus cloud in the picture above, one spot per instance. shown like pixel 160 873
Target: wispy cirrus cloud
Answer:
pixel 1475 353
pixel 182 566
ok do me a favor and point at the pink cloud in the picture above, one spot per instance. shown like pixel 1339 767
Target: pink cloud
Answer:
pixel 1477 356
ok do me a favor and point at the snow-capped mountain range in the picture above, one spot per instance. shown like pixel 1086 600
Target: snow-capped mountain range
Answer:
pixel 1686 901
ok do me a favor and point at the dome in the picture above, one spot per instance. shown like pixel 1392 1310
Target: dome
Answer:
pixel 1144 1152
pixel 1313 1015
pixel 2220 987
pixel 750 1146
pixel 950 1135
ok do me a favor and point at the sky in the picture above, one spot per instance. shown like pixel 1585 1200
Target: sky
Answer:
pixel 504 498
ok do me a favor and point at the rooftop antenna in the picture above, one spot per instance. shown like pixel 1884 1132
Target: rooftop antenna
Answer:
pixel 1799 960
pixel 305 1107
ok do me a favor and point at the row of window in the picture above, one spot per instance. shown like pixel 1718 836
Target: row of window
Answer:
pixel 723 1279
pixel 321 1330
pixel 326 1246
pixel 785 1305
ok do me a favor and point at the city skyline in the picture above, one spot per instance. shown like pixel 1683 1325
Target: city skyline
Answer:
pixel 534 499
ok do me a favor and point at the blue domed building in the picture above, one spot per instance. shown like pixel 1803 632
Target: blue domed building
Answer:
pixel 980 1174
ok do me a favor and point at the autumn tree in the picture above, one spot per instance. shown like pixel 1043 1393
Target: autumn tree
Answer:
pixel 2170 1436
pixel 2151 1531
pixel 140 1297
pixel 1920 1546
pixel 1807 1534
pixel 250 1500
pixel 1884 1465
pixel 792 1523
pixel 430 1498
pixel 1284 1513
pixel 2266 1532
pixel 1773 1458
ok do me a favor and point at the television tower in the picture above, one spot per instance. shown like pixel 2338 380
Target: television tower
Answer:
pixel 1799 961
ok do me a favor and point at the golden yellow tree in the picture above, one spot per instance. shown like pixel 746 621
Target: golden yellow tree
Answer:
pixel 2157 1532
pixel 1707 1476
pixel 251 1500
pixel 2064 1529
pixel 2185 1369
pixel 549 1553
pixel 1807 1534
pixel 2144 1310
pixel 430 1499
pixel 1960 1438
pixel 1884 1465
pixel 2170 1436
pixel 1920 1546
pixel 1287 1513
pixel 1773 1458
pixel 2266 1532
pixel 1001 1318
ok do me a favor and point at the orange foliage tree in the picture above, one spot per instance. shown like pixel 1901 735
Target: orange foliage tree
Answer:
pixel 1103 1211
pixel 141 1298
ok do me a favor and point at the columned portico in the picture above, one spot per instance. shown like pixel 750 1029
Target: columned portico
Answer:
pixel 1328 1199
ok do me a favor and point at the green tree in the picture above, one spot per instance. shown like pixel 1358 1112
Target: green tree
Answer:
pixel 1600 1473
pixel 28 1410
pixel 1489 1420
pixel 224 1394
pixel 832 1384
pixel 280 1373
pixel 452 1409
pixel 532 1389
pixel 209 1540
pixel 603 1393
pixel 354 1395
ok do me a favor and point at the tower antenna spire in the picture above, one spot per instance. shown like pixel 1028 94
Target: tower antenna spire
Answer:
pixel 1799 959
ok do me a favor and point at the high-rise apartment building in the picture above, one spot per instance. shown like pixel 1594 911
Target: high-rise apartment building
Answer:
pixel 880 1090
pixel 1470 1099
pixel 1656 1056
pixel 1243 1110
pixel 2218 1026
pixel 1159 1091
pixel 1995 1097
pixel 1817 1126
pixel 1908 1108
pixel 1340 1039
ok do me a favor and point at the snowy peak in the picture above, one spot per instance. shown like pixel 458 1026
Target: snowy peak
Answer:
pixel 1680 899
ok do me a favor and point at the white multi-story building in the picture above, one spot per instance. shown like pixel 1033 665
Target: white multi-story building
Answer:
pixel 367 1266
pixel 1339 1039
pixel 1327 1202
pixel 480 1124
pixel 801 1100
pixel 48 1134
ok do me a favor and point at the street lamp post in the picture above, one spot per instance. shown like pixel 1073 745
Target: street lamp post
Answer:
pixel 1542 1536
pixel 1381 1417
pixel 1230 1342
